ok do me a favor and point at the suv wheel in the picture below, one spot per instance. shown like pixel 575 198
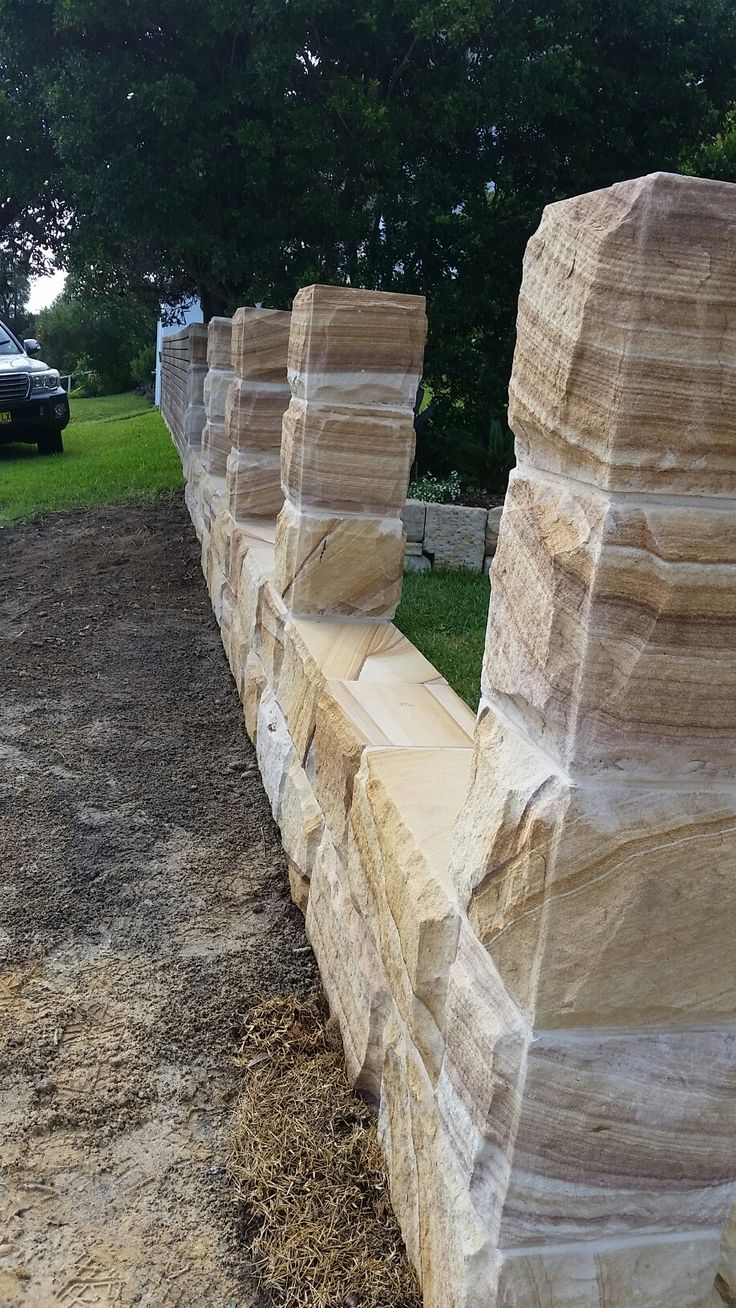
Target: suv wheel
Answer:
pixel 50 443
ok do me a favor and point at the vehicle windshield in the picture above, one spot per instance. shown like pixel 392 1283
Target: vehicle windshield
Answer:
pixel 7 344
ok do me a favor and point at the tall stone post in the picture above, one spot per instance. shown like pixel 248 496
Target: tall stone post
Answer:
pixel 194 416
pixel 215 442
pixel 355 361
pixel 256 402
pixel 597 848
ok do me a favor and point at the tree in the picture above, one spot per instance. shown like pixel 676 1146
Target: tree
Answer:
pixel 240 151
pixel 97 336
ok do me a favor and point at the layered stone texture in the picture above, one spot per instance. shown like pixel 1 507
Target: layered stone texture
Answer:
pixel 215 439
pixel 183 371
pixel 523 921
pixel 256 403
pixel 355 360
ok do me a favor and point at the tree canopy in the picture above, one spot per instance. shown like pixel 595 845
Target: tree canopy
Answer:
pixel 238 151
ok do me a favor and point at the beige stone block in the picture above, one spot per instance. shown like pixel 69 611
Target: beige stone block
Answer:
pixel 253 578
pixel 455 536
pixel 274 750
pixel 317 650
pixel 254 413
pixel 331 565
pixel 215 448
pixel 353 715
pixel 216 387
pixel 219 343
pixel 356 347
pixel 250 534
pixel 254 484
pixel 269 635
pixel 623 371
pixel 253 690
pixel 612 629
pixel 727 1263
pixel 601 906
pixel 260 344
pixel 351 969
pixel 302 825
pixel 346 459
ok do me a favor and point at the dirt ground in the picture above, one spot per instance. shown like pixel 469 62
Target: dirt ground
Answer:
pixel 143 908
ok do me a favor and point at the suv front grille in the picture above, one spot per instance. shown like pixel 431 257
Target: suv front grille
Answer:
pixel 14 386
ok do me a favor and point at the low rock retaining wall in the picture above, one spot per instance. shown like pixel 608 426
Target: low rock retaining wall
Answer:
pixel 449 536
pixel 524 923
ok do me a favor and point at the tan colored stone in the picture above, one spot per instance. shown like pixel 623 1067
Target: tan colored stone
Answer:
pixel 254 413
pixel 250 533
pixel 253 690
pixel 219 343
pixel 333 565
pixel 623 368
pixel 351 346
pixel 254 484
pixel 346 459
pixel 269 635
pixel 302 825
pixel 317 650
pixel 353 715
pixel 260 343
pixel 611 630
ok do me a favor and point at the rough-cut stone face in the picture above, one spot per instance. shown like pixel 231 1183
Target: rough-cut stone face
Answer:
pixel 413 517
pixel 219 343
pixel 259 345
pixel 254 484
pixel 623 371
pixel 612 626
pixel 356 347
pixel 346 460
pixel 253 415
pixel 335 565
pixel 455 536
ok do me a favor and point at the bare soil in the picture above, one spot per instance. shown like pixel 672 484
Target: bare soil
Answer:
pixel 144 909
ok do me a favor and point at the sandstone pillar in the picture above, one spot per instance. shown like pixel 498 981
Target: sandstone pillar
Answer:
pixel 215 443
pixel 256 401
pixel 596 852
pixel 355 360
pixel 194 415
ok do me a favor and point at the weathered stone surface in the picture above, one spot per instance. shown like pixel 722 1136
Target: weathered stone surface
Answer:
pixel 356 347
pixel 355 984
pixel 259 344
pixel 254 484
pixel 417 563
pixel 274 750
pixel 413 518
pixel 219 344
pixel 613 624
pixel 353 715
pixel 302 826
pixel 269 635
pixel 318 650
pixel 623 369
pixel 455 536
pixel 346 459
pixel 217 384
pixel 247 534
pixel 332 565
pixel 254 413
pixel 254 686
pixel 215 448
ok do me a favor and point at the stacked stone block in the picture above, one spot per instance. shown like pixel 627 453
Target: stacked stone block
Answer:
pixel 215 437
pixel 256 402
pixel 183 371
pixel 355 361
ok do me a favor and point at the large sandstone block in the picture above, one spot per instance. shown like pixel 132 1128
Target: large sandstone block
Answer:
pixel 254 413
pixel 302 826
pixel 254 484
pixel 346 460
pixel 334 565
pixel 612 627
pixel 623 370
pixel 250 534
pixel 219 344
pixel 353 715
pixel 317 650
pixel 260 341
pixel 359 347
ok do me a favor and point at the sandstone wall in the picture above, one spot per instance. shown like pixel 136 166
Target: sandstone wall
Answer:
pixel 523 923
pixel 183 372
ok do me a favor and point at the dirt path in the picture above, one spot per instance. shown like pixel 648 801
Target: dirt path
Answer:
pixel 143 906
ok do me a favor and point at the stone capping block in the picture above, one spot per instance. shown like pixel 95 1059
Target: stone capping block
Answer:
pixel 455 536
pixel 356 347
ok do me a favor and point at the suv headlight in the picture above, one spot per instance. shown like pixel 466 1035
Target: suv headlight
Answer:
pixel 45 381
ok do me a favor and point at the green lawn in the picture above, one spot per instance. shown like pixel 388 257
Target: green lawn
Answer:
pixel 444 614
pixel 116 448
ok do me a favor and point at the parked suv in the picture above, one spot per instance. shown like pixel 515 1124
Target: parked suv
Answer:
pixel 34 407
